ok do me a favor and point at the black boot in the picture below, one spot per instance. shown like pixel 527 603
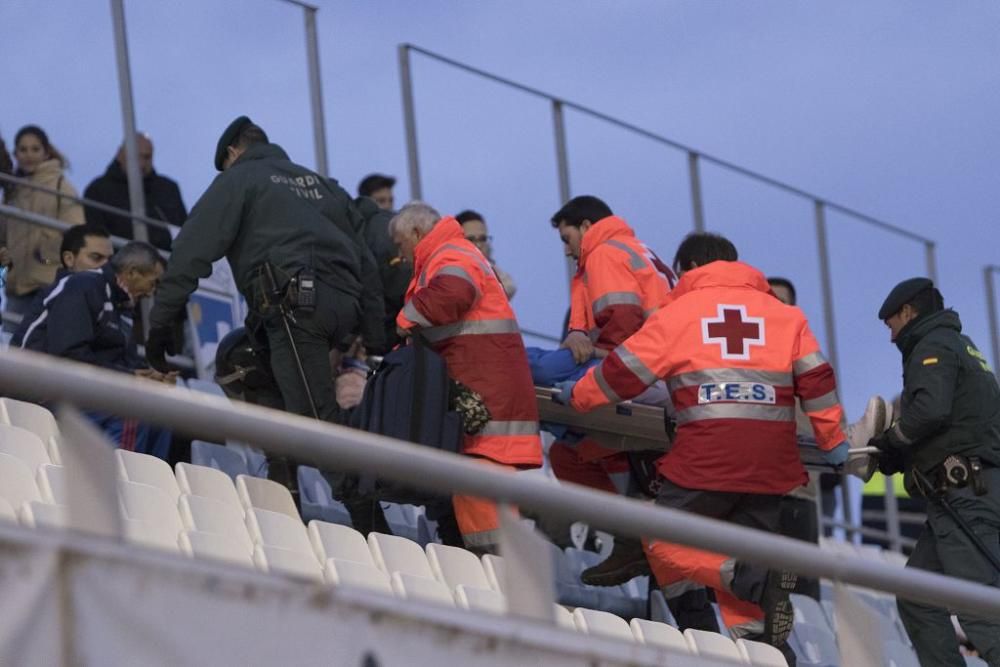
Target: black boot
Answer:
pixel 627 561
pixel 768 589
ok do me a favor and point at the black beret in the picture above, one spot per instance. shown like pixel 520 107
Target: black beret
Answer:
pixel 903 294
pixel 227 139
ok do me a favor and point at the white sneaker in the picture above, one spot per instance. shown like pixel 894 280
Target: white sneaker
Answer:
pixel 876 419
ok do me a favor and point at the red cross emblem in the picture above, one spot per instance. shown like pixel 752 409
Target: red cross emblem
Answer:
pixel 733 330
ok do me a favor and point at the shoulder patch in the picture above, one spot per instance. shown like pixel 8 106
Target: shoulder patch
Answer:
pixel 929 361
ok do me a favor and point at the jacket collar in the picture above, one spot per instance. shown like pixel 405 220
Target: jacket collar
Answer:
pixel 119 297
pixel 262 152
pixel 116 173
pixel 916 330
pixel 447 230
pixel 603 230
pixel 721 274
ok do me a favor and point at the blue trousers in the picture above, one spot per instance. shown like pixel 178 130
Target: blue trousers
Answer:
pixel 133 435
pixel 551 366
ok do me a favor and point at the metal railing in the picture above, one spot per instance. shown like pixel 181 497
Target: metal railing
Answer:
pixel 332 447
pixel 694 156
pixel 989 275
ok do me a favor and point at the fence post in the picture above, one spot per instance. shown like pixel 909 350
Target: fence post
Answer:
pixel 562 166
pixel 409 121
pixel 136 196
pixel 316 91
pixel 697 208
pixel 930 257
pixel 991 311
pixel 826 285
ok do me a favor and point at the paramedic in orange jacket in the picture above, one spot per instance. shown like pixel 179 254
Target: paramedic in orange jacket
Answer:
pixel 619 282
pixel 459 306
pixel 734 359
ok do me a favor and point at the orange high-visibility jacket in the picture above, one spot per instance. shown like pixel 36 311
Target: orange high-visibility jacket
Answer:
pixel 734 359
pixel 459 305
pixel 619 282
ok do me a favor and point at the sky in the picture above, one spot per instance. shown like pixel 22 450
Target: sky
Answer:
pixel 888 107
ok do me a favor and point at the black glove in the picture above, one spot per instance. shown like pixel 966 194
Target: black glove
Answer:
pixel 159 344
pixel 890 458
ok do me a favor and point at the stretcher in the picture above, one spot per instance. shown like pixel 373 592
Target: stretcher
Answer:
pixel 631 426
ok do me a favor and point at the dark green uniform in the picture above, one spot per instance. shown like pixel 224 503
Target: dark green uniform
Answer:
pixel 264 208
pixel 950 406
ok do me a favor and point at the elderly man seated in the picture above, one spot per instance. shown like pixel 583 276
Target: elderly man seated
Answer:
pixel 87 317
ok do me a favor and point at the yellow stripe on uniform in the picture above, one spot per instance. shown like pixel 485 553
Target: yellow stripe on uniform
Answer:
pixel 930 361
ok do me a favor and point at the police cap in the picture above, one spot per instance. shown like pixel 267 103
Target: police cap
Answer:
pixel 902 294
pixel 227 139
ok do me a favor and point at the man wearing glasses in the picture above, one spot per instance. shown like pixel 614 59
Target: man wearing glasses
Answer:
pixel 474 228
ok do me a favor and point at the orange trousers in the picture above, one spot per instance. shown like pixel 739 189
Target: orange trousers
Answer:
pixel 478 519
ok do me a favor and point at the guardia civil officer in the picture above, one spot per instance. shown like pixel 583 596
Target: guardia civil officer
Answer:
pixel 946 441
pixel 293 240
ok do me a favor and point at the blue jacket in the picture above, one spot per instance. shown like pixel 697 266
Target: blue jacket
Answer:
pixel 36 307
pixel 85 317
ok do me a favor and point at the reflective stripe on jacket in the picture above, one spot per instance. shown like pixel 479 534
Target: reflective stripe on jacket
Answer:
pixel 618 284
pixel 734 358
pixel 459 305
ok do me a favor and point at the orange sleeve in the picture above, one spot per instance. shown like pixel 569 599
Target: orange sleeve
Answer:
pixel 816 387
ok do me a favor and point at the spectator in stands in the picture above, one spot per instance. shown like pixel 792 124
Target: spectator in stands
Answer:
pixel 394 271
pixel 87 318
pixel 6 168
pixel 378 187
pixel 457 305
pixel 474 228
pixel 734 357
pixel 618 284
pixel 163 197
pixel 84 247
pixel 33 249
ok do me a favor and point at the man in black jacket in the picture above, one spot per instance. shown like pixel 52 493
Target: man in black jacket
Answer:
pixel 265 213
pixel 946 441
pixel 163 197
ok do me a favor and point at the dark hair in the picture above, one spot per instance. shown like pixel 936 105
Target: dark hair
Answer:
pixel 786 283
pixel 75 237
pixel 250 134
pixel 578 209
pixel 469 215
pixel 373 182
pixel 927 301
pixel 43 138
pixel 702 248
pixel 6 166
pixel 137 255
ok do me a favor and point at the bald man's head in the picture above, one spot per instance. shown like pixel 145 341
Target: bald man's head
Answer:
pixel 145 148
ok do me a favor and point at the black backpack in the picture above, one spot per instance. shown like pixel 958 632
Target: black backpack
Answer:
pixel 408 398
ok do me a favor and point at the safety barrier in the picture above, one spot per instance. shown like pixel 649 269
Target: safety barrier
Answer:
pixel 331 447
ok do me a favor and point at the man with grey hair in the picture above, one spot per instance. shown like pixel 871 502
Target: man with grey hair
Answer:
pixel 87 317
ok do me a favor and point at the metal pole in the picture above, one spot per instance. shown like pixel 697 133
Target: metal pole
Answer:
pixel 316 91
pixel 136 196
pixel 331 447
pixel 409 121
pixel 562 166
pixel 930 256
pixel 991 311
pixel 892 516
pixel 826 283
pixel 697 209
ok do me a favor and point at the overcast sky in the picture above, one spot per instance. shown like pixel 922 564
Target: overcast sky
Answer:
pixel 891 108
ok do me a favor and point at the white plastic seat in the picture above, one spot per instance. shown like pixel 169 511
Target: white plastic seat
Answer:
pixel 17 483
pixel 353 574
pixel 493 566
pixel 51 480
pixel 24 445
pixel 30 416
pixel 34 514
pixel 808 610
pixel 602 623
pixel 7 512
pixel 146 469
pixel 53 446
pixel 274 529
pixel 759 654
pixel 286 561
pixel 564 617
pixel 711 645
pixel 150 534
pixel 398 554
pixel 455 566
pixel 660 635
pixel 480 599
pixel 212 546
pixel 266 495
pixel 208 515
pixel 343 543
pixel 412 587
pixel 149 503
pixel 206 482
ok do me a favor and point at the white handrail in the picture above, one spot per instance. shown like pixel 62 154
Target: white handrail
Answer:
pixel 327 446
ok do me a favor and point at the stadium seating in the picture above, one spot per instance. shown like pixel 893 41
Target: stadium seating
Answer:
pixel 274 529
pixel 593 622
pixel 149 503
pixel 150 534
pixel 29 416
pixel 265 494
pixel 51 480
pixel 454 566
pixel 219 457
pixel 24 446
pixel 711 645
pixel 214 547
pixel 396 554
pixel 493 566
pixel 207 482
pixel 34 514
pixel 356 575
pixel 659 635
pixel 208 515
pixel 478 599
pixel 287 561
pixel 17 483
pixel 760 655
pixel 149 470
pixel 413 587
pixel 342 543
pixel 317 499
pixel 7 512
